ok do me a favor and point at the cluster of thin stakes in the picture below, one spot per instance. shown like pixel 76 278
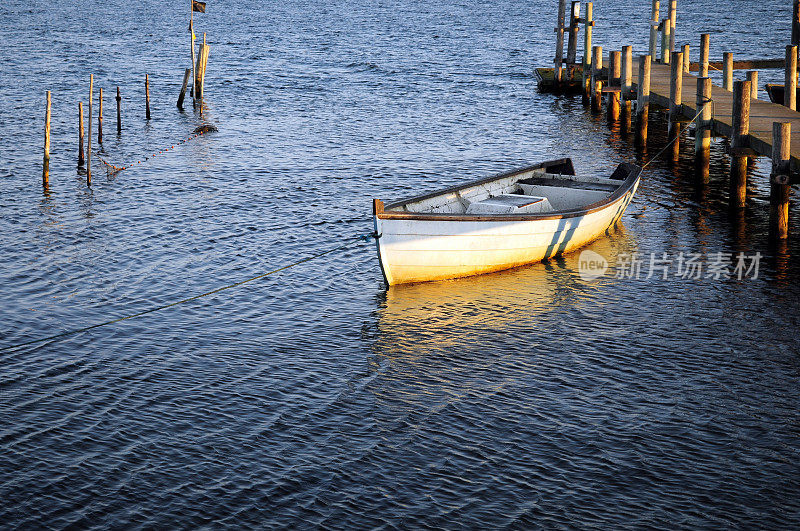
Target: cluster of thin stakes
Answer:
pixel 111 169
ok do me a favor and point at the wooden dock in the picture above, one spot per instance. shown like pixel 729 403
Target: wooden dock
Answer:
pixel 762 113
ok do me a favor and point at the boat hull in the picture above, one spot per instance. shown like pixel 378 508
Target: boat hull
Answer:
pixel 421 250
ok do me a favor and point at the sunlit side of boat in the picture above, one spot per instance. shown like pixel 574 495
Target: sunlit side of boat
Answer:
pixel 497 223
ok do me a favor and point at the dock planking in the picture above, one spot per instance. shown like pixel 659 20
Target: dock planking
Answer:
pixel 762 113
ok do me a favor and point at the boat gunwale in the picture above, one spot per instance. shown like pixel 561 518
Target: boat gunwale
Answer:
pixel 625 186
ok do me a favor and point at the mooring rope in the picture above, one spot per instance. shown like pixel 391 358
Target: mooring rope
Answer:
pixel 188 299
pixel 654 157
pixel 197 132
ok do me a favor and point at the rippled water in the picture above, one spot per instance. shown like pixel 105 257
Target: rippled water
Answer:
pixel 317 397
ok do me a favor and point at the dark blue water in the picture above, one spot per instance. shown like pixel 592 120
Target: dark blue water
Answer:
pixel 315 397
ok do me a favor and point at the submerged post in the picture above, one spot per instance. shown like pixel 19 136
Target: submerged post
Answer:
pixel 643 100
pixel 182 96
pixel 89 138
pixel 147 96
pixel 702 138
pixel 119 112
pixel 654 24
pixel 559 60
pixel 727 71
pixel 597 85
pixel 779 180
pixel 80 134
pixel 704 46
pixel 100 119
pixel 46 158
pixel 790 78
pixel 614 73
pixel 741 128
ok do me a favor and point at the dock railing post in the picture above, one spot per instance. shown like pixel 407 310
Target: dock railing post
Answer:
pixel 587 53
pixel 654 25
pixel 686 61
pixel 727 71
pixel 614 74
pixel 704 46
pixel 643 100
pixel 702 138
pixel 597 85
pixel 665 34
pixel 790 78
pixel 673 22
pixel 740 130
pixel 752 77
pixel 574 27
pixel 779 180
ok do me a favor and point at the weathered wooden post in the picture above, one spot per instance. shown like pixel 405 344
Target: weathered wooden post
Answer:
pixel 675 101
pixel 727 71
pixel 89 138
pixel 654 25
pixel 627 87
pixel 704 46
pixel 673 22
pixel 686 61
pixel 614 74
pixel 200 70
pixel 643 100
pixel 100 119
pixel 702 137
pixel 559 60
pixel 80 134
pixel 186 75
pixel 752 77
pixel 741 128
pixel 46 158
pixel 574 27
pixel 790 78
pixel 147 95
pixel 779 180
pixel 597 85
pixel 796 23
pixel 665 35
pixel 119 112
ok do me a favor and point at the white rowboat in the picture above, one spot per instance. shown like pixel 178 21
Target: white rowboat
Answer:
pixel 508 220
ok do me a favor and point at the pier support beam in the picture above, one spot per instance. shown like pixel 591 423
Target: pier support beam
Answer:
pixel 597 85
pixel 665 34
pixel 673 22
pixel 587 53
pixel 627 86
pixel 614 74
pixel 779 180
pixel 675 99
pixel 704 46
pixel 559 60
pixel 741 128
pixel 702 139
pixel 727 71
pixel 790 79
pixel 574 27
pixel 643 101
pixel 654 24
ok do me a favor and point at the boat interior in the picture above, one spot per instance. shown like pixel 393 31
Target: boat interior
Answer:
pixel 534 190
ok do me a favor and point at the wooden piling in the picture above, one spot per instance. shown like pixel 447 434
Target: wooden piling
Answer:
pixel 119 112
pixel 780 188
pixel 752 77
pixel 614 74
pixel 673 22
pixel 654 25
pixel 100 118
pixel 627 87
pixel 702 138
pixel 147 95
pixel 80 134
pixel 790 78
pixel 704 46
pixel 686 61
pixel 597 85
pixel 740 128
pixel 665 36
pixel 675 86
pixel 727 71
pixel 182 96
pixel 574 27
pixel 46 158
pixel 89 137
pixel 200 70
pixel 796 23
pixel 559 60
pixel 643 100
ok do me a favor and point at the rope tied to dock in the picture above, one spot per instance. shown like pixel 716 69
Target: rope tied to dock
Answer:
pixel 112 169
pixel 349 242
pixel 696 116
